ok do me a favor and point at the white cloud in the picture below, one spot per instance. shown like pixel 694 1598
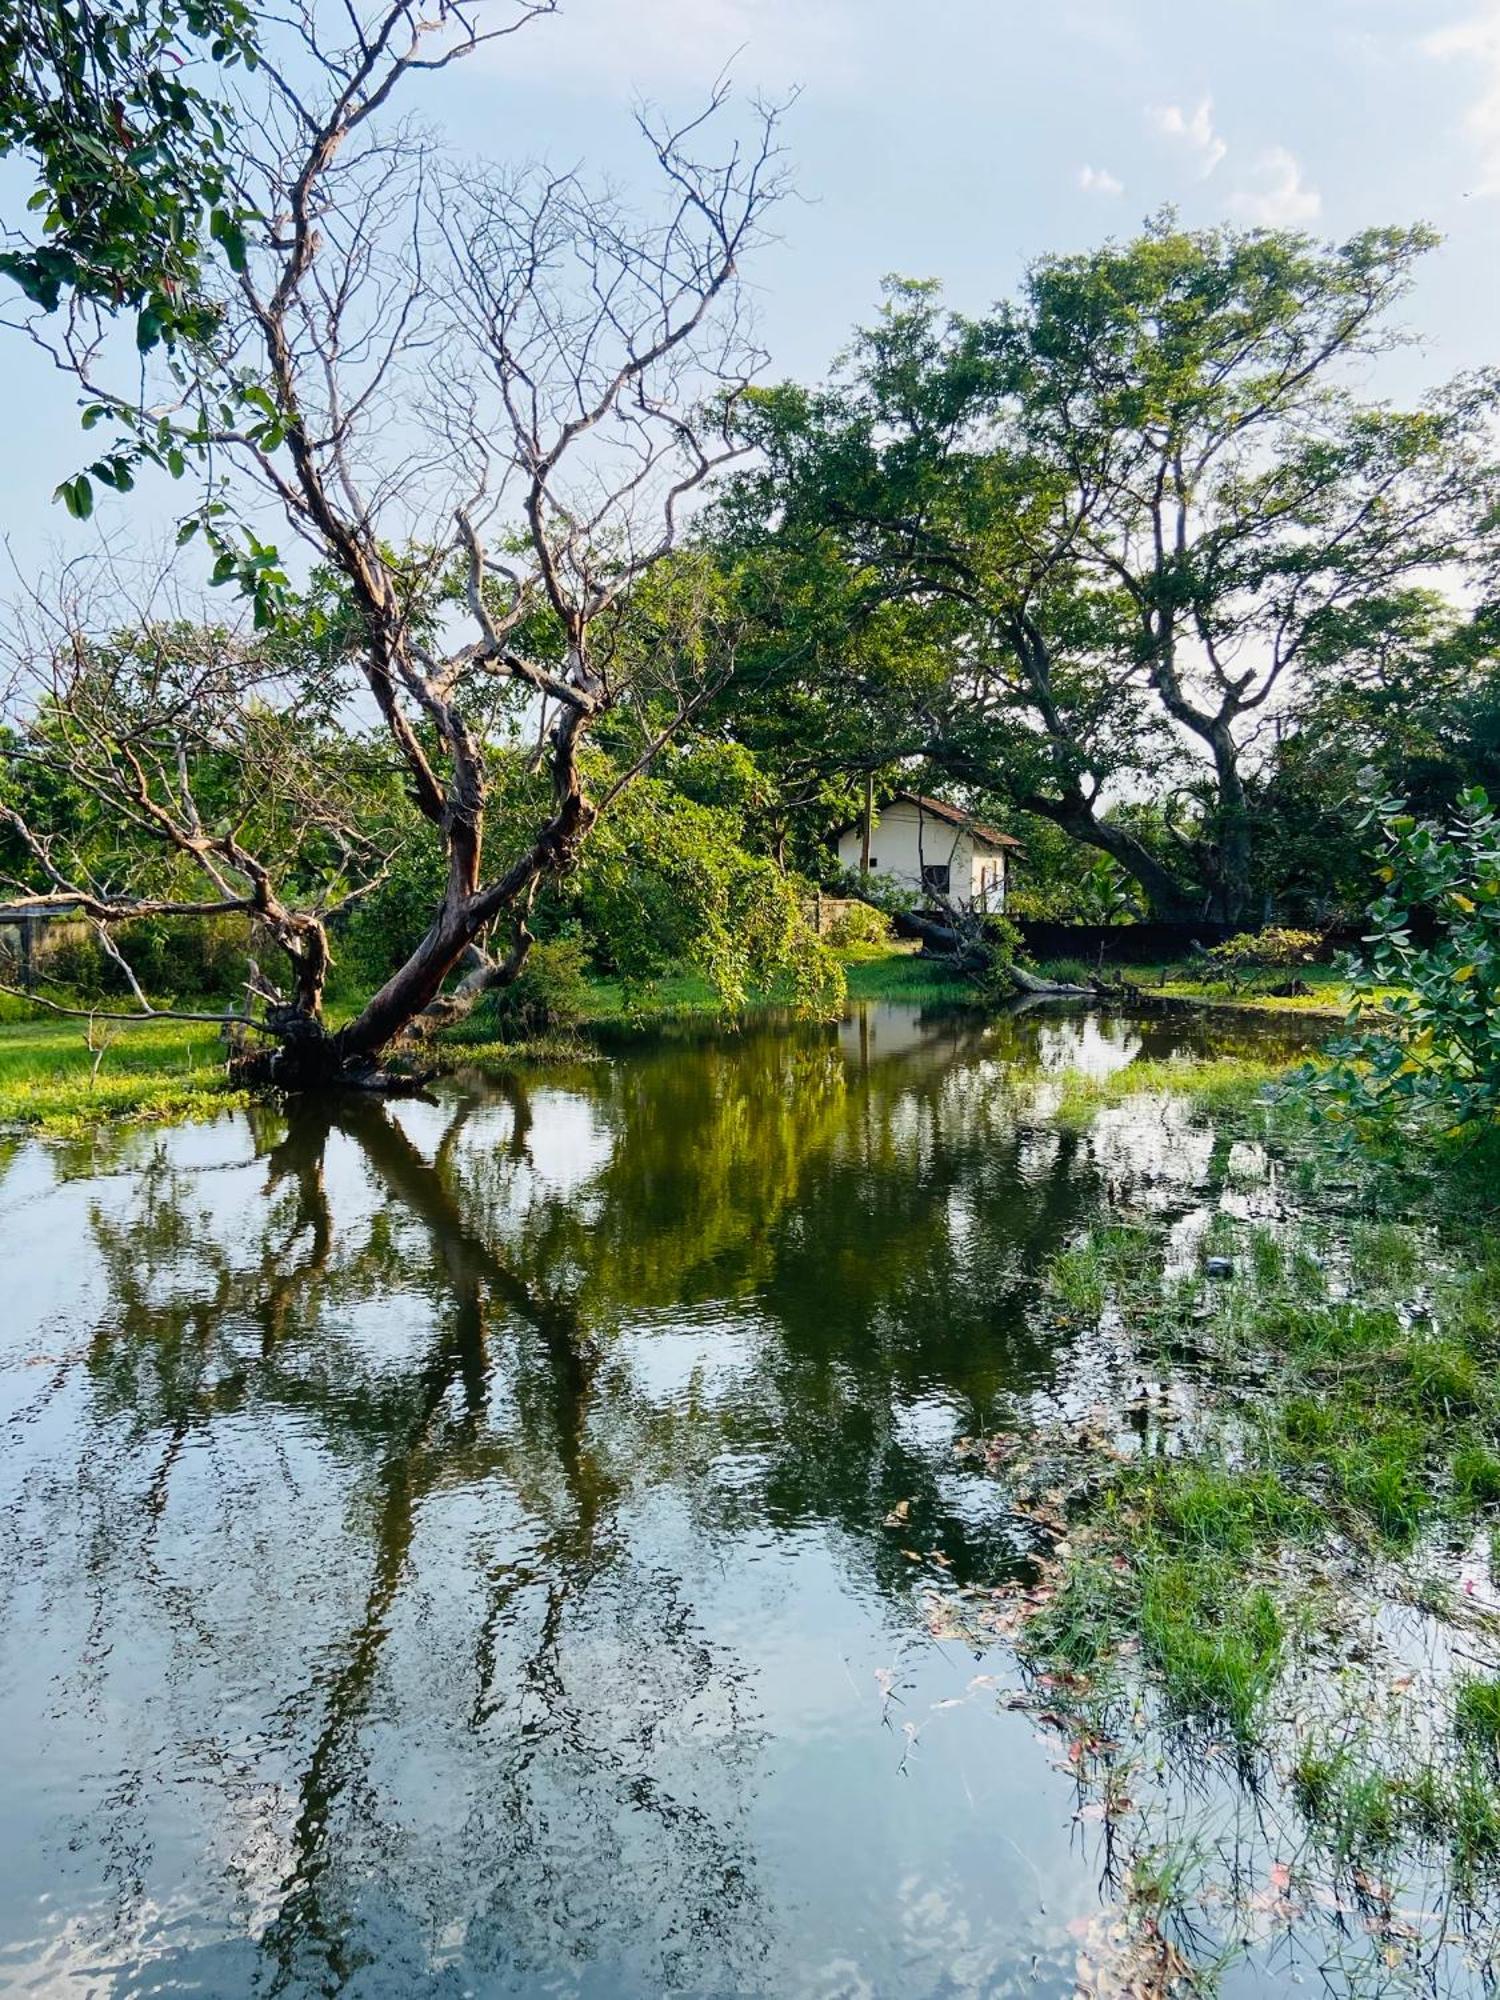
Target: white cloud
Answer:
pixel 1476 40
pixel 1099 180
pixel 1281 199
pixel 1193 130
pixel 655 45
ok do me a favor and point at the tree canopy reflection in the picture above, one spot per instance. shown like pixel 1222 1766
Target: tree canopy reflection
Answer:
pixel 460 1410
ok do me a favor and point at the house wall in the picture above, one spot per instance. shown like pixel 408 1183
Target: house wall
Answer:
pixel 902 840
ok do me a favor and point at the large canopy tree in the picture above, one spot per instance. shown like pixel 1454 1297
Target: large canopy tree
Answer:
pixel 482 399
pixel 1124 508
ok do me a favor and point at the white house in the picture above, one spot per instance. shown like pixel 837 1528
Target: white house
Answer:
pixel 933 848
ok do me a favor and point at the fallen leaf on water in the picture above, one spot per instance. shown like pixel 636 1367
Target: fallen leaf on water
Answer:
pixel 898 1514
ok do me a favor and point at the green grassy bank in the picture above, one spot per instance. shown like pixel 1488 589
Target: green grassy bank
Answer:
pixel 56 1080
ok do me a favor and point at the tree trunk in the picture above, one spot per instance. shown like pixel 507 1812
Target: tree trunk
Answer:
pixel 1169 898
pixel 1232 889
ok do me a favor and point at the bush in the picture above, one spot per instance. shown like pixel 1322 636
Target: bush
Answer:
pixel 859 924
pixel 1068 971
pixel 1001 945
pixel 547 999
pixel 1434 934
pixel 191 956
pixel 1241 957
pixel 381 930
pixel 172 957
pixel 72 956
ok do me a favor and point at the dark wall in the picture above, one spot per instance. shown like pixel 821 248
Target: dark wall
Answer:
pixel 1122 944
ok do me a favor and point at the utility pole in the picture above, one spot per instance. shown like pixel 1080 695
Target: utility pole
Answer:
pixel 864 845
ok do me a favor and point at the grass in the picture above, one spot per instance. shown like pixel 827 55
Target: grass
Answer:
pixel 1333 1447
pixel 1081 1278
pixel 167 1070
pixel 1216 1647
pixel 1476 1713
pixel 1212 1086
pixel 1327 996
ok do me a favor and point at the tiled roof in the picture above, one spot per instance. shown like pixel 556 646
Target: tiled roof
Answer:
pixel 951 815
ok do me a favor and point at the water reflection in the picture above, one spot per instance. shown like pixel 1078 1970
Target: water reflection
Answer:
pixel 444 1542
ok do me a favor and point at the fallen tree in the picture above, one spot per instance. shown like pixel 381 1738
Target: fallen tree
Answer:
pixel 964 939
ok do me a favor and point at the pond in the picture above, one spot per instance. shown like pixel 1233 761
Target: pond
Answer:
pixel 468 1547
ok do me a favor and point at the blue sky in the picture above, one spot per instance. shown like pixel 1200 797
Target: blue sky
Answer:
pixel 957 139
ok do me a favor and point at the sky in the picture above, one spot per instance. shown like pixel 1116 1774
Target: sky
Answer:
pixel 959 139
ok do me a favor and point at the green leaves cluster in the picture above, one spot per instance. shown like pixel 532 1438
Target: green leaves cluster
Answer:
pixel 666 882
pixel 1112 518
pixel 129 154
pixel 1432 1045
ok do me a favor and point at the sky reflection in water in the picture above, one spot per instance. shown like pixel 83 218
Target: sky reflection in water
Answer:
pixel 443 1545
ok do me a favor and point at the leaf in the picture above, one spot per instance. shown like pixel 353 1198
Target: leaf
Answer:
pixel 1464 972
pixel 77 495
pixel 228 234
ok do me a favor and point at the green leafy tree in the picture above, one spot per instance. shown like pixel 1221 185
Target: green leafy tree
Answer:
pixel 1121 512
pixel 1404 687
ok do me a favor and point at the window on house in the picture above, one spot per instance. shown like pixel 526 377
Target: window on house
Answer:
pixel 935 876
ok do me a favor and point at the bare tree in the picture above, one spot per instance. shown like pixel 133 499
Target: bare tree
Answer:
pixel 436 377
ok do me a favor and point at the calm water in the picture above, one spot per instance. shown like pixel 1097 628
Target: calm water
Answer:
pixel 444 1549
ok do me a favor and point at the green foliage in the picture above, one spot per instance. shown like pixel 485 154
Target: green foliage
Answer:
pixel 1038 599
pixel 1399 684
pixel 859 924
pixel 1476 1713
pixel 1062 883
pixel 383 928
pixel 129 158
pixel 1273 946
pixel 1432 1045
pixel 172 957
pixel 548 998
pixel 1001 945
pixel 1217 1647
pixel 1242 961
pixel 665 881
pixel 75 959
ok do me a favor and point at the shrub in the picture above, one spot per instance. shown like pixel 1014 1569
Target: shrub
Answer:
pixel 859 924
pixel 191 956
pixel 381 930
pixel 1242 957
pixel 73 957
pixel 547 999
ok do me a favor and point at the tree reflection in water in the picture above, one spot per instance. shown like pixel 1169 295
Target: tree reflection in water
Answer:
pixel 377 1528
